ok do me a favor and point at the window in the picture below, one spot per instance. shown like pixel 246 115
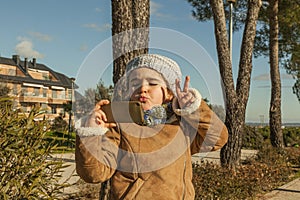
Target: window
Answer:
pixel 62 94
pixel 45 92
pixel 54 94
pixel 53 109
pixel 36 92
pixel 45 76
pixel 44 106
pixel 69 96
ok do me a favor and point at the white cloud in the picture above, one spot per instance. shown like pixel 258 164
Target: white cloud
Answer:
pixel 96 27
pixel 154 7
pixel 25 49
pixel 155 11
pixel 40 36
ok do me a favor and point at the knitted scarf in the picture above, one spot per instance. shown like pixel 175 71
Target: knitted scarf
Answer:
pixel 158 114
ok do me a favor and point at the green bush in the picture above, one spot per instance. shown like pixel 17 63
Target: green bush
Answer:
pixel 64 141
pixel 256 138
pixel 59 124
pixel 252 139
pixel 265 131
pixel 291 136
pixel 27 170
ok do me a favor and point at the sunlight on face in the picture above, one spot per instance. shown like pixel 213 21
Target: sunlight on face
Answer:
pixel 148 87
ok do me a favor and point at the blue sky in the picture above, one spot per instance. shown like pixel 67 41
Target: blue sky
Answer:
pixel 65 35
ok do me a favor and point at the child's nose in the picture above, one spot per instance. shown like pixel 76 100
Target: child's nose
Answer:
pixel 144 86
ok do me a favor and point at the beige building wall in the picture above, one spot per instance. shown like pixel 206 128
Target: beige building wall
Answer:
pixel 26 96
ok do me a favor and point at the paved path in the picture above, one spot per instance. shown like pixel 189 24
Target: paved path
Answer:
pixel 290 191
pixel 214 156
pixel 69 173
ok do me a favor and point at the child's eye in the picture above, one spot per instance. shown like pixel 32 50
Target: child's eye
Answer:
pixel 153 84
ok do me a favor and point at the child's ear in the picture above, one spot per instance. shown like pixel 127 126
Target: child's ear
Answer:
pixel 169 95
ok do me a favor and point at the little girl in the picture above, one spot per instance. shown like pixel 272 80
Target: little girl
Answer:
pixel 150 161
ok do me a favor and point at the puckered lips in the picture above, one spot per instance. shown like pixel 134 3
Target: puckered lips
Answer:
pixel 143 99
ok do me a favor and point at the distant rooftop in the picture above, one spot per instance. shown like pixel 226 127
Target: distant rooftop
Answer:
pixel 60 79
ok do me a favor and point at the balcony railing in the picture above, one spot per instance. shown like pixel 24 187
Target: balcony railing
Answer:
pixel 60 99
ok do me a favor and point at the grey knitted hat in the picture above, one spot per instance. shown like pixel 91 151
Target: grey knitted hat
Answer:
pixel 167 67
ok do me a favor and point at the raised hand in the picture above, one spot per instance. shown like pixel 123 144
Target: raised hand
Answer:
pixel 98 118
pixel 185 97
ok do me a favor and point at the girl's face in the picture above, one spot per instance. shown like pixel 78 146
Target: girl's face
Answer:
pixel 148 87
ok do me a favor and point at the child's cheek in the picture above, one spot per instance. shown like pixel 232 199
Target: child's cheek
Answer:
pixel 133 94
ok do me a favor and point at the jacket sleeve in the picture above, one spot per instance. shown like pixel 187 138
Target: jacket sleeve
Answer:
pixel 206 131
pixel 96 153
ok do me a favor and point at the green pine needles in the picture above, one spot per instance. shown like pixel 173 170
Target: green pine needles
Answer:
pixel 27 170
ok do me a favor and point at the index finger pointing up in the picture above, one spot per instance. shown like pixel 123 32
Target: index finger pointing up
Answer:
pixel 186 84
pixel 178 88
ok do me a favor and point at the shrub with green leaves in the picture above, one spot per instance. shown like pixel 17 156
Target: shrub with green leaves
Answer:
pixel 26 168
pixel 256 138
pixel 252 139
pixel 291 136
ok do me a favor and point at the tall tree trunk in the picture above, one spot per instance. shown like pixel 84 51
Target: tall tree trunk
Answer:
pixel 231 155
pixel 130 31
pixel 275 104
pixel 236 100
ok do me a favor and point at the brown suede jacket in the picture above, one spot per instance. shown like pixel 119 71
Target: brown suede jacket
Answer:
pixel 149 162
